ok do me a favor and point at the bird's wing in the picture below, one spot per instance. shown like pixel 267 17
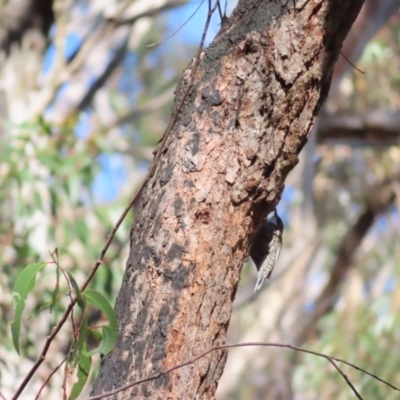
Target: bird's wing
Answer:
pixel 277 252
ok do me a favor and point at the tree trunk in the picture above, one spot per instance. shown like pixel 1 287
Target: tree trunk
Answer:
pixel 257 91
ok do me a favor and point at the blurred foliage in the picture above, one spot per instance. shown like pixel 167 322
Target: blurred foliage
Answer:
pixel 66 174
pixel 363 326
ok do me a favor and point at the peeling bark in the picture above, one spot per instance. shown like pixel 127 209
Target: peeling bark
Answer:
pixel 257 91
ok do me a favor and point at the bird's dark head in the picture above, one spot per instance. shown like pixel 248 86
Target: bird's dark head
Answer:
pixel 276 220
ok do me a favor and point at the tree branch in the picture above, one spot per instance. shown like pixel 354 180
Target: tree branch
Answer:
pixel 374 128
pixel 381 198
pixel 331 359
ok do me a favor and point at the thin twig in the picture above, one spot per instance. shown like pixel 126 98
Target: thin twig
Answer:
pixel 50 376
pixel 344 377
pixel 152 169
pixel 357 69
pixel 64 383
pixel 251 344
pixel 64 72
pixel 174 33
pixel 55 260
pixel 367 373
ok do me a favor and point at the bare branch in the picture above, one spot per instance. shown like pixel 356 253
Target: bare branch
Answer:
pixel 374 128
pixel 50 376
pixel 229 346
pixel 106 28
pixel 117 58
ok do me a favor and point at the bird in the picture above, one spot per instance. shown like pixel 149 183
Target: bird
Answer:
pixel 266 246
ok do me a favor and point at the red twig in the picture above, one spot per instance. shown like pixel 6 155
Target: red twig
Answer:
pixel 50 376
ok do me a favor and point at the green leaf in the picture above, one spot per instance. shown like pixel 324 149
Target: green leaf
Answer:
pixel 85 363
pixel 23 286
pixel 79 298
pixel 110 331
pixel 95 333
pixel 78 354
pixel 107 343
pixel 56 290
pixel 99 301
pixel 81 342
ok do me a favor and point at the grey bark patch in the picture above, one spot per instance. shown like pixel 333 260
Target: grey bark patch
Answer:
pixel 134 391
pixel 146 391
pixel 215 98
pixel 179 207
pixel 189 183
pixel 174 253
pixel 178 277
pixel 186 120
pixel 194 143
pixel 155 204
pixel 139 353
pixel 166 174
pixel 159 343
pixel 205 93
pixel 157 225
pixel 150 254
pixel 140 320
pixel 216 118
pixel 189 165
pixel 164 318
pixel 162 381
pixel 166 238
pixel 202 108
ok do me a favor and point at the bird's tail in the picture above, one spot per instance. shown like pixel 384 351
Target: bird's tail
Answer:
pixel 260 281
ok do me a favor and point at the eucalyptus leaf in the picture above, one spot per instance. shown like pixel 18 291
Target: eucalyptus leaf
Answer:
pixel 23 286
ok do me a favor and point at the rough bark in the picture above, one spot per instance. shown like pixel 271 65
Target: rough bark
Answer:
pixel 257 91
